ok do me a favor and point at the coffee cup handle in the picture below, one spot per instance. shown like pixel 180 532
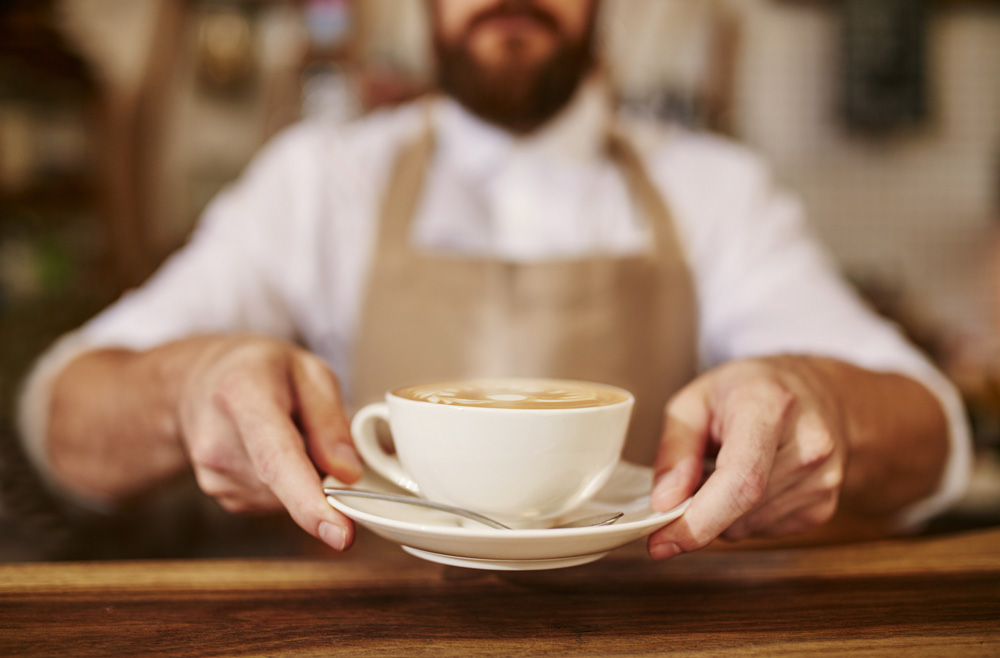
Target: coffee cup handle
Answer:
pixel 367 443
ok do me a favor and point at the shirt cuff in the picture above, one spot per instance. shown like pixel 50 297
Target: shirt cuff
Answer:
pixel 34 407
pixel 958 467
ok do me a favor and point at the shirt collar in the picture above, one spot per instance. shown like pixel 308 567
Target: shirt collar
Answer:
pixel 478 148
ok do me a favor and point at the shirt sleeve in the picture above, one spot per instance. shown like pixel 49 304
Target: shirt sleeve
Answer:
pixel 226 279
pixel 766 287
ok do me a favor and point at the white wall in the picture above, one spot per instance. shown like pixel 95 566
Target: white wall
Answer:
pixel 921 209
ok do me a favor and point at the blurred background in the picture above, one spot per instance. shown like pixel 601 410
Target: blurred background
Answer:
pixel 120 119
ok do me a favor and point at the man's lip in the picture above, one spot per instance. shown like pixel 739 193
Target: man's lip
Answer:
pixel 513 22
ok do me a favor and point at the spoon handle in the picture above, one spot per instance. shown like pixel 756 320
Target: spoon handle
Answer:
pixel 419 502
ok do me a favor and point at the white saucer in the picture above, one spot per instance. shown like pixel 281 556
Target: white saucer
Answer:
pixel 447 539
pixel 504 565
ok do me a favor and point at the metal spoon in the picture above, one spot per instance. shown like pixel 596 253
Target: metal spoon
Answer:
pixel 596 520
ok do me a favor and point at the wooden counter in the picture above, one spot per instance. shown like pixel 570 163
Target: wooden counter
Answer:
pixel 923 596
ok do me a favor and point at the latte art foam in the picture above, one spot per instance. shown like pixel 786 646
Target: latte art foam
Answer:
pixel 515 394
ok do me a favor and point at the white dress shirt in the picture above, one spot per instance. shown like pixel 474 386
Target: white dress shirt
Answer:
pixel 285 250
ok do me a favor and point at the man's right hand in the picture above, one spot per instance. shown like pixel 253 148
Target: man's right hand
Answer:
pixel 257 418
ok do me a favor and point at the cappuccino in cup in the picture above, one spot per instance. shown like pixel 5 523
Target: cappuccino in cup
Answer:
pixel 515 394
pixel 523 451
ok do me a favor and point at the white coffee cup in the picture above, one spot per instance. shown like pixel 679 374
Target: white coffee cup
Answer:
pixel 522 451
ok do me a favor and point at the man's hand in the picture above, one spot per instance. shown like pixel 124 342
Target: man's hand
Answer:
pixel 783 431
pixel 255 416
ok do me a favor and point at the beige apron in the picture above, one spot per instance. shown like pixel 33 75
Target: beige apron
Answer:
pixel 628 321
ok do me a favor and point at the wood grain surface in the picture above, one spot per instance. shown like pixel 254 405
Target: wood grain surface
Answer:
pixel 922 597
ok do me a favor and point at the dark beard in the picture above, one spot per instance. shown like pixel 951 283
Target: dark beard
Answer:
pixel 518 98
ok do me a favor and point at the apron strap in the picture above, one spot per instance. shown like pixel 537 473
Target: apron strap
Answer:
pixel 405 188
pixel 651 202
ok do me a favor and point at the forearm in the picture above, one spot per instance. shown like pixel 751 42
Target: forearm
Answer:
pixel 897 436
pixel 113 430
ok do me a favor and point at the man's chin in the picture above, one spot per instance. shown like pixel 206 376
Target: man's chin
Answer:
pixel 518 91
pixel 503 57
pixel 509 75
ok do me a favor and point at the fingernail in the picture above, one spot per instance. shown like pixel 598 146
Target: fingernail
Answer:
pixel 665 494
pixel 347 458
pixel 333 534
pixel 664 550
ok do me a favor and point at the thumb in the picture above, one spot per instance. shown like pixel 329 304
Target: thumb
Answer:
pixel 678 465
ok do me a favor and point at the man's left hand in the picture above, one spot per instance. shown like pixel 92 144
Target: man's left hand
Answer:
pixel 779 432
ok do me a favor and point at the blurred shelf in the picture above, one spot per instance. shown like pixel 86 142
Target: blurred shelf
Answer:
pixel 62 198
